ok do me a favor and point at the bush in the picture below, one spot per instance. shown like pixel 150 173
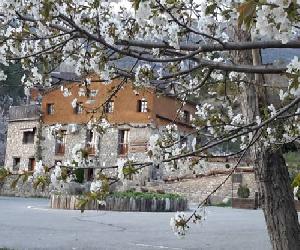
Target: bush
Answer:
pixel 243 191
pixel 147 195
pixel 79 173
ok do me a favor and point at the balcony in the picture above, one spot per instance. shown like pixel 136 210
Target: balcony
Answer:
pixel 26 112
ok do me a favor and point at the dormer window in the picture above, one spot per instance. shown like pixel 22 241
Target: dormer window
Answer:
pixel 50 108
pixel 143 106
pixel 109 107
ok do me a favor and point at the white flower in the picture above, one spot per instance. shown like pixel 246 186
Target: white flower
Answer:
pixel 3 77
pixel 120 163
pixel 39 169
pixel 96 186
pixel 101 202
pixel 74 103
pixel 56 174
pixel 178 224
pixel 272 110
pixel 282 95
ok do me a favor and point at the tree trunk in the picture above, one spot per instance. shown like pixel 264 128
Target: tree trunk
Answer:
pixel 271 172
pixel 277 201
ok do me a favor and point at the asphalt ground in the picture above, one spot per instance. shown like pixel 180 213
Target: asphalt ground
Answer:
pixel 27 223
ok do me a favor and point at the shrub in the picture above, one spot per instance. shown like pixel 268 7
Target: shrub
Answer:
pixel 243 191
pixel 147 195
pixel 79 173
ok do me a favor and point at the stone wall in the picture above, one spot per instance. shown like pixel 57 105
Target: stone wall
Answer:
pixel 195 190
pixel 3 130
pixel 77 136
pixel 22 189
pixel 15 146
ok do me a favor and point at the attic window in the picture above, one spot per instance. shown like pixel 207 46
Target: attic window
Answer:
pixel 50 108
pixel 109 107
pixel 142 106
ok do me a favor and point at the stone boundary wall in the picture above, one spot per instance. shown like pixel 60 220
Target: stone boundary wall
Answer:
pixel 196 190
pixel 121 204
pixel 22 189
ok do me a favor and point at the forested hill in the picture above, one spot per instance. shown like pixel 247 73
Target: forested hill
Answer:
pixel 11 93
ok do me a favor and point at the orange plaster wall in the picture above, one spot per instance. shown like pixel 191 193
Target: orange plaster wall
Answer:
pixel 125 104
pixel 167 107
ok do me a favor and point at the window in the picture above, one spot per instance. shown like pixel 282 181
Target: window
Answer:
pixel 183 141
pixel 28 136
pixel 31 164
pixel 109 107
pixel 93 93
pixel 16 163
pixel 123 142
pixel 90 142
pixel 78 108
pixel 142 106
pixel 186 116
pixel 90 174
pixel 50 108
pixel 60 141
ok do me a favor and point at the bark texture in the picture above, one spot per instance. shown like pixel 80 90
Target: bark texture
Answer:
pixel 271 173
pixel 277 201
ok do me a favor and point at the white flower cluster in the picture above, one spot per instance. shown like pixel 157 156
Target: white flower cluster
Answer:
pixel 120 163
pixel 273 21
pixel 39 169
pixel 204 110
pixel 77 155
pixel 66 92
pixel 96 186
pixel 178 224
pixel 56 175
pixel 2 76
pixel 104 124
pixel 143 74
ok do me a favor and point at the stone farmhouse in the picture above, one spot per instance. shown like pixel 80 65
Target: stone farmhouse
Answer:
pixel 133 114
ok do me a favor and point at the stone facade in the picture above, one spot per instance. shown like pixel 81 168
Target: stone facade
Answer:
pixel 71 138
pixel 18 152
pixel 3 131
pixel 22 189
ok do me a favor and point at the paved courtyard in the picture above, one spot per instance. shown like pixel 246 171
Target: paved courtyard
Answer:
pixel 30 224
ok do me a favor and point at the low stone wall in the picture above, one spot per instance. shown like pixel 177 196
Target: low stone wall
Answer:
pixel 121 204
pixel 197 189
pixel 23 189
